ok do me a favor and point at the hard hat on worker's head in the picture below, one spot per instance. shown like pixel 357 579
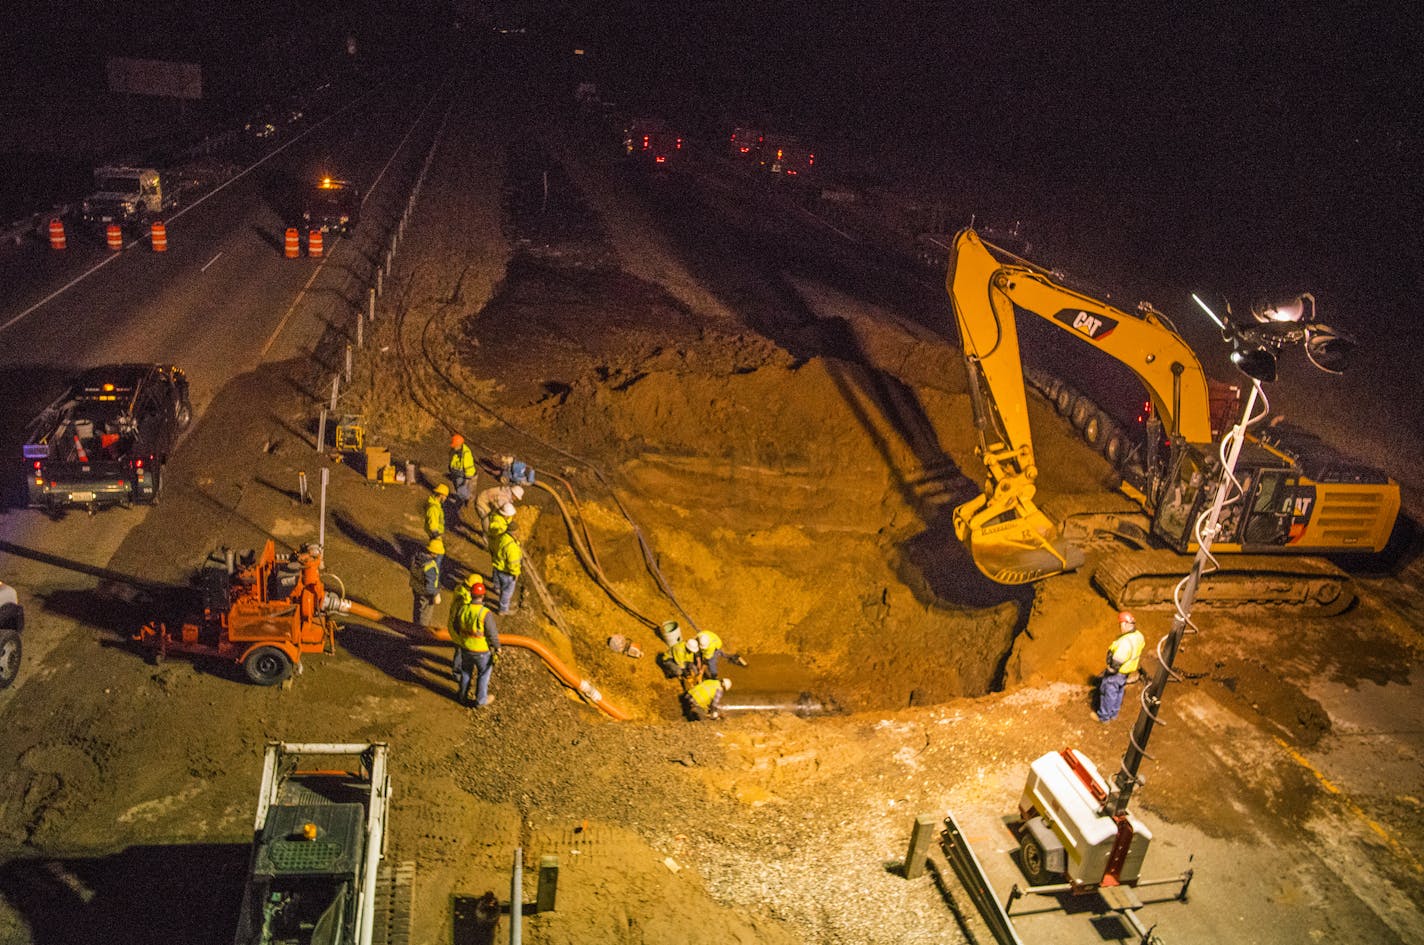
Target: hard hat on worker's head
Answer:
pixel 435 546
pixel 474 580
pixel 442 490
pixel 1126 619
pixel 507 510
pixel 457 441
pixel 703 640
pixel 518 492
pixel 726 684
pixel 477 590
pixel 693 646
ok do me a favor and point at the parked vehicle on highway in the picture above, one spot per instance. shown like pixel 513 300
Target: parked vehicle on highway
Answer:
pixel 104 442
pixel 745 143
pixel 126 196
pixel 651 143
pixel 787 157
pixel 331 204
pixel 12 623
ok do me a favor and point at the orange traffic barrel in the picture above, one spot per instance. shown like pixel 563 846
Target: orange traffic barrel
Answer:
pixel 159 237
pixel 314 244
pixel 56 234
pixel 294 243
pixel 115 236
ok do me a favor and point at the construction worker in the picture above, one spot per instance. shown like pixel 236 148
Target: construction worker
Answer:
pixel 462 469
pixel 495 497
pixel 1124 657
pixel 515 472
pixel 704 700
pixel 436 546
pixel 499 522
pixel 424 584
pixel 435 512
pixel 679 662
pixel 506 558
pixel 707 653
pixel 476 638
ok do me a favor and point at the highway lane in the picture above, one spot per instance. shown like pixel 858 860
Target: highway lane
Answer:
pixel 221 301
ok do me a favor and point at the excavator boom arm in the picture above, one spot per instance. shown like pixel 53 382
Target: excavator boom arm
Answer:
pixel 1011 540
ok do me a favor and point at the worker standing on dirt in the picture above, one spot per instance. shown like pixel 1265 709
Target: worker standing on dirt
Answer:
pixel 506 561
pixel 462 470
pixel 425 584
pixel 476 638
pixel 704 700
pixel 435 512
pixel 1124 657
pixel 493 498
pixel 499 521
pixel 707 653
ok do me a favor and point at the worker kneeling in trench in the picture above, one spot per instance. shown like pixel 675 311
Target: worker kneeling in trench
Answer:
pixel 704 700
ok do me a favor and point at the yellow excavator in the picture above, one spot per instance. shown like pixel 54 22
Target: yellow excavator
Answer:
pixel 1300 498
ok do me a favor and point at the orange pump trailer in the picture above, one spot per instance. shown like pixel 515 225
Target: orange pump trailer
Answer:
pixel 259 611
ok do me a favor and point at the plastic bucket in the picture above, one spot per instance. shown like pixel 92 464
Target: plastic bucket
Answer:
pixel 671 633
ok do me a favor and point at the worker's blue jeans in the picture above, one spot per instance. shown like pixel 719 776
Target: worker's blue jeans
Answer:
pixel 470 664
pixel 461 487
pixel 504 585
pixel 1110 688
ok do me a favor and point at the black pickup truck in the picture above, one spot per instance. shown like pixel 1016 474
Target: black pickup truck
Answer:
pixel 104 442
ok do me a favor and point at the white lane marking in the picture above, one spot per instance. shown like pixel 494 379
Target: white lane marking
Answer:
pixel 297 301
pixel 192 206
pixel 210 262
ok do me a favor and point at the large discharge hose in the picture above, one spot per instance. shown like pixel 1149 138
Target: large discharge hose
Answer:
pixel 583 687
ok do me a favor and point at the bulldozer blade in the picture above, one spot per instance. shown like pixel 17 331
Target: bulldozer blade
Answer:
pixel 1017 552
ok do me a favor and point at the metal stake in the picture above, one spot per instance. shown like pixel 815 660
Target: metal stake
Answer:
pixel 335 390
pixel 320 432
pixel 321 532
pixel 348 364
pixel 516 899
pixel 371 305
pixel 302 495
pixel 360 329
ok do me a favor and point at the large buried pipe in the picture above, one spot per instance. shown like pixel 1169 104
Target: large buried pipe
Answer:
pixel 583 687
pixel 799 703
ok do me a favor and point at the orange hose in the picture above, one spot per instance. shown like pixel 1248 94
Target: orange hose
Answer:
pixel 441 635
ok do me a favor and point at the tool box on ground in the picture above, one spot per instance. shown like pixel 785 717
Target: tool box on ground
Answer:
pixel 260 611
pixel 350 434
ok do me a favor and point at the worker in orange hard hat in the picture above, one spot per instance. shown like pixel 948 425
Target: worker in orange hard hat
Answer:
pixel 1123 660
pixel 462 469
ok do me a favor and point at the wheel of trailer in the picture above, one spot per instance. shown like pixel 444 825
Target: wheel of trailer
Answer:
pixel 1063 399
pixel 267 666
pixel 10 653
pixel 1035 861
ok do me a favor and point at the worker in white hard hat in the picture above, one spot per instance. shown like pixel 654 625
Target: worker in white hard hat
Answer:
pixel 678 662
pixel 709 653
pixel 1123 659
pixel 704 700
pixel 495 498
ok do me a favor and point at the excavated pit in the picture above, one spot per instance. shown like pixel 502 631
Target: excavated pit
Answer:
pixel 798 504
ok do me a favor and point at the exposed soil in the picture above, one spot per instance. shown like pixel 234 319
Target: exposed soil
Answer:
pixel 792 468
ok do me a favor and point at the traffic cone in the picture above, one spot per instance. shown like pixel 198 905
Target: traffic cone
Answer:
pixel 115 236
pixel 314 246
pixel 56 234
pixel 294 243
pixel 158 236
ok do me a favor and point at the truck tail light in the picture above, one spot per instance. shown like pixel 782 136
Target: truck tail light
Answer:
pixel 138 464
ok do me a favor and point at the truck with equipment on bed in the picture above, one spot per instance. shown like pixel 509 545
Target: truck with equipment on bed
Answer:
pixel 105 440
pixel 319 837
pixel 1301 497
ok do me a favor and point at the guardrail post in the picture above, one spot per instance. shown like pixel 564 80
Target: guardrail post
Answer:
pixel 379 277
pixel 516 899
pixel 360 328
pixel 348 364
pixel 320 436
pixel 371 305
pixel 335 390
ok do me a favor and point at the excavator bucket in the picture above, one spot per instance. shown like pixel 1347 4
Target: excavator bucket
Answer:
pixel 1017 546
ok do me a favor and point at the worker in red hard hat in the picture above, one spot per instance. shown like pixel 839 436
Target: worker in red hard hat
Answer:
pixel 476 637
pixel 462 470
pixel 1123 660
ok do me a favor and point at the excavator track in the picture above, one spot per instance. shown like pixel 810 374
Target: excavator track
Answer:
pixel 1306 587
